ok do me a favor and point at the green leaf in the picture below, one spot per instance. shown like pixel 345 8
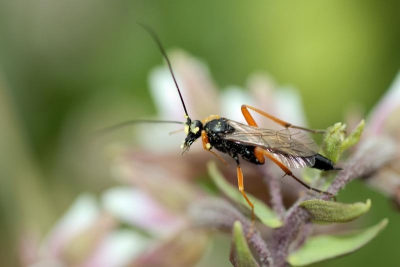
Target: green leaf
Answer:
pixel 240 253
pixel 325 247
pixel 353 137
pixel 329 211
pixel 262 211
pixel 332 141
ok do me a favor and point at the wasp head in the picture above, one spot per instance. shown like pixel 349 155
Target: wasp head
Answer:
pixel 193 131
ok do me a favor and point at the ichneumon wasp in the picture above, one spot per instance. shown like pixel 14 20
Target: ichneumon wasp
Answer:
pixel 287 148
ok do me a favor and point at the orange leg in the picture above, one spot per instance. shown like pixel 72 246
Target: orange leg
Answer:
pixel 250 120
pixel 207 146
pixel 259 152
pixel 241 189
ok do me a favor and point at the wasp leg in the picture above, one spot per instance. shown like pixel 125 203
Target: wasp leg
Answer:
pixel 241 189
pixel 258 151
pixel 250 120
pixel 207 146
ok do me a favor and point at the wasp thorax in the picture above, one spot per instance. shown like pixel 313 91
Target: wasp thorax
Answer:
pixel 193 131
pixel 220 126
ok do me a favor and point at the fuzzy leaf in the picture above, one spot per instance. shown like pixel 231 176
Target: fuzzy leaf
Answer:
pixel 262 211
pixel 240 253
pixel 353 137
pixel 332 141
pixel 325 247
pixel 329 211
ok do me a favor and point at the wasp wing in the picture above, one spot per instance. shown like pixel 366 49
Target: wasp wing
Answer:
pixel 292 147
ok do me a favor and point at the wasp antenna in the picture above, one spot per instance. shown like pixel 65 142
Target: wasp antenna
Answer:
pixel 158 42
pixel 117 126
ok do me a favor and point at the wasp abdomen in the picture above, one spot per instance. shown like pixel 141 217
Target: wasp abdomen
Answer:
pixel 323 163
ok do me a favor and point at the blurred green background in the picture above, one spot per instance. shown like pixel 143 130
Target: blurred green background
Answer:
pixel 69 67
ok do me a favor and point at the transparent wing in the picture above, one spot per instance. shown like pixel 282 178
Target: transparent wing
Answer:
pixel 292 147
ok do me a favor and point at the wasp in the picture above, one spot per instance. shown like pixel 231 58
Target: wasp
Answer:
pixel 287 148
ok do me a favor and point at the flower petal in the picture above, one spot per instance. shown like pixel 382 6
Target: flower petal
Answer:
pixel 118 249
pixel 283 102
pixel 197 88
pixel 232 98
pixel 80 216
pixel 134 206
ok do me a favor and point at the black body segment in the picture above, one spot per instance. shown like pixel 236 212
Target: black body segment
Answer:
pixel 217 130
pixel 324 164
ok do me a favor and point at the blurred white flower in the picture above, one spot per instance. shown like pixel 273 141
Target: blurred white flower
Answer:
pixel 87 236
pixel 135 207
